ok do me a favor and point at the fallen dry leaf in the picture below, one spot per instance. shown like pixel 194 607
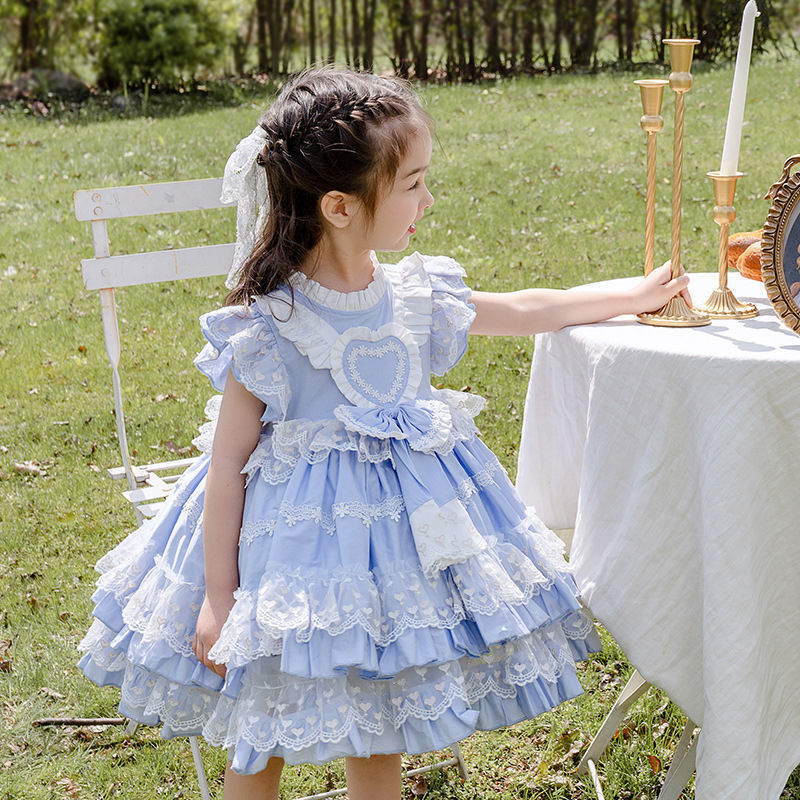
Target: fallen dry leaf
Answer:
pixel 51 693
pixel 29 468
pixel 5 655
pixel 71 789
pixel 655 763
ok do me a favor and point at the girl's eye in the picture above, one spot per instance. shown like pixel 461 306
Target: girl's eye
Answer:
pixel 415 186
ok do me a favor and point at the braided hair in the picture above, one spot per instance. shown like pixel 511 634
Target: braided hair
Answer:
pixel 328 130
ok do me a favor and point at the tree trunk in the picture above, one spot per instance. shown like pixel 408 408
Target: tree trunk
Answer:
pixel 274 31
pixel 586 34
pixel 460 44
pixel 527 38
pixel 287 31
pixel 473 73
pixel 665 14
pixel 421 41
pixel 558 27
pixel 355 27
pixel 618 30
pixel 569 27
pixel 631 9
pixel 345 33
pixel 331 31
pixel 512 61
pixel 262 13
pixel 403 35
pixel 312 32
pixel 541 34
pixel 369 34
pixel 242 44
pixel 493 62
pixel 448 31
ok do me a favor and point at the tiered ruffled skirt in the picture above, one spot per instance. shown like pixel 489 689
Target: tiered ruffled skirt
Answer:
pixel 339 643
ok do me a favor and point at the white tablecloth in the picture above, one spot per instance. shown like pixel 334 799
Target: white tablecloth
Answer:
pixel 675 454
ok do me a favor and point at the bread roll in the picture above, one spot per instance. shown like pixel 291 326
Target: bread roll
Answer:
pixel 749 263
pixel 739 242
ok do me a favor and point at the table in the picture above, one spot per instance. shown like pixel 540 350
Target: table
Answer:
pixel 675 455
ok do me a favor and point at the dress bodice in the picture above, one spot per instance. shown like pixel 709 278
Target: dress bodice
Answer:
pixel 312 353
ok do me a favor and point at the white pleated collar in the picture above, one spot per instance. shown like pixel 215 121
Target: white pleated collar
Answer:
pixel 342 301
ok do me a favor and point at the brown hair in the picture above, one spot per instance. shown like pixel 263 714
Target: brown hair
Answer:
pixel 328 130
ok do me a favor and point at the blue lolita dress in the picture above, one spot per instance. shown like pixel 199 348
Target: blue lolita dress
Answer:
pixel 395 594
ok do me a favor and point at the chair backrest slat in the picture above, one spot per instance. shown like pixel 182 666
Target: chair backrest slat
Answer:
pixel 157 266
pixel 146 199
pixel 106 273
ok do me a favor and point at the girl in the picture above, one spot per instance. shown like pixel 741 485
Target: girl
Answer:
pixel 350 571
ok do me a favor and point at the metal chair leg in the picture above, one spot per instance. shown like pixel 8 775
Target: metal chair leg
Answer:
pixel 199 768
pixel 595 780
pixel 634 689
pixel 460 763
pixel 683 763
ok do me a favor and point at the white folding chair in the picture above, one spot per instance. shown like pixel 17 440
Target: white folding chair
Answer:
pixel 149 484
pixel 683 759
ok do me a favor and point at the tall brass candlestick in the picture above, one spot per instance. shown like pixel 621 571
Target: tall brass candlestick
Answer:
pixel 721 303
pixel 677 313
pixel 652 91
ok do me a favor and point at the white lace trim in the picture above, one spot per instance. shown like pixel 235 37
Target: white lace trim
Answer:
pixel 204 441
pixel 366 513
pixel 157 610
pixel 97 641
pixel 411 296
pixel 309 333
pixel 274 710
pixel 452 315
pixel 253 355
pixel 342 301
pixel 480 480
pixel 312 441
pixel 385 607
pixel 444 535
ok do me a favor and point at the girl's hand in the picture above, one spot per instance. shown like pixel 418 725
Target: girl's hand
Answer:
pixel 658 288
pixel 210 620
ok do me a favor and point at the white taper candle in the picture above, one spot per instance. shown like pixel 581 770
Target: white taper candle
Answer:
pixel 733 130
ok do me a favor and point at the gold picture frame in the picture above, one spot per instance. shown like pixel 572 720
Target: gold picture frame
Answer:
pixel 780 246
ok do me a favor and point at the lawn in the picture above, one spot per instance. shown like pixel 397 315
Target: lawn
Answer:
pixel 538 182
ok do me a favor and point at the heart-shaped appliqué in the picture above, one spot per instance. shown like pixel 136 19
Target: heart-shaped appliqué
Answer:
pixel 376 367
pixel 378 371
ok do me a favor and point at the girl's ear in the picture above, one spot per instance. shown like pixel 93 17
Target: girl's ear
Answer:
pixel 338 208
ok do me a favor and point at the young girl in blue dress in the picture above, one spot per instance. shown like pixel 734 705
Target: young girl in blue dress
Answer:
pixel 349 571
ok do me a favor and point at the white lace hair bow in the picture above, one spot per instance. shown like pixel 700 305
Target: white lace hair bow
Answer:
pixel 246 183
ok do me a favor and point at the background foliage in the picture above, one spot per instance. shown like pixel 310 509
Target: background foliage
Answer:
pixel 165 41
pixel 145 41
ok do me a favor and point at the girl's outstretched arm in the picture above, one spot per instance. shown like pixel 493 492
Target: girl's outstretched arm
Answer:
pixel 530 311
pixel 235 438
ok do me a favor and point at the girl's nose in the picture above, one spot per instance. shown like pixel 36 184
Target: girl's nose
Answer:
pixel 428 201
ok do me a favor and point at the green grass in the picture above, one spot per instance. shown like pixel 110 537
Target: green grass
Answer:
pixel 538 183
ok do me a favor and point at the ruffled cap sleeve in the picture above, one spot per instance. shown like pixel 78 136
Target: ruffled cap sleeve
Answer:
pixel 241 340
pixel 452 313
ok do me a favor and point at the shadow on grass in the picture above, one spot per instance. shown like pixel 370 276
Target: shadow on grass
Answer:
pixel 102 106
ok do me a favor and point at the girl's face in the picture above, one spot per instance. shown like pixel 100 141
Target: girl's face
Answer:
pixel 402 203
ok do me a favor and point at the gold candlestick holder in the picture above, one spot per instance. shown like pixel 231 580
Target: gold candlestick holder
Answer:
pixel 652 91
pixel 721 303
pixel 677 313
